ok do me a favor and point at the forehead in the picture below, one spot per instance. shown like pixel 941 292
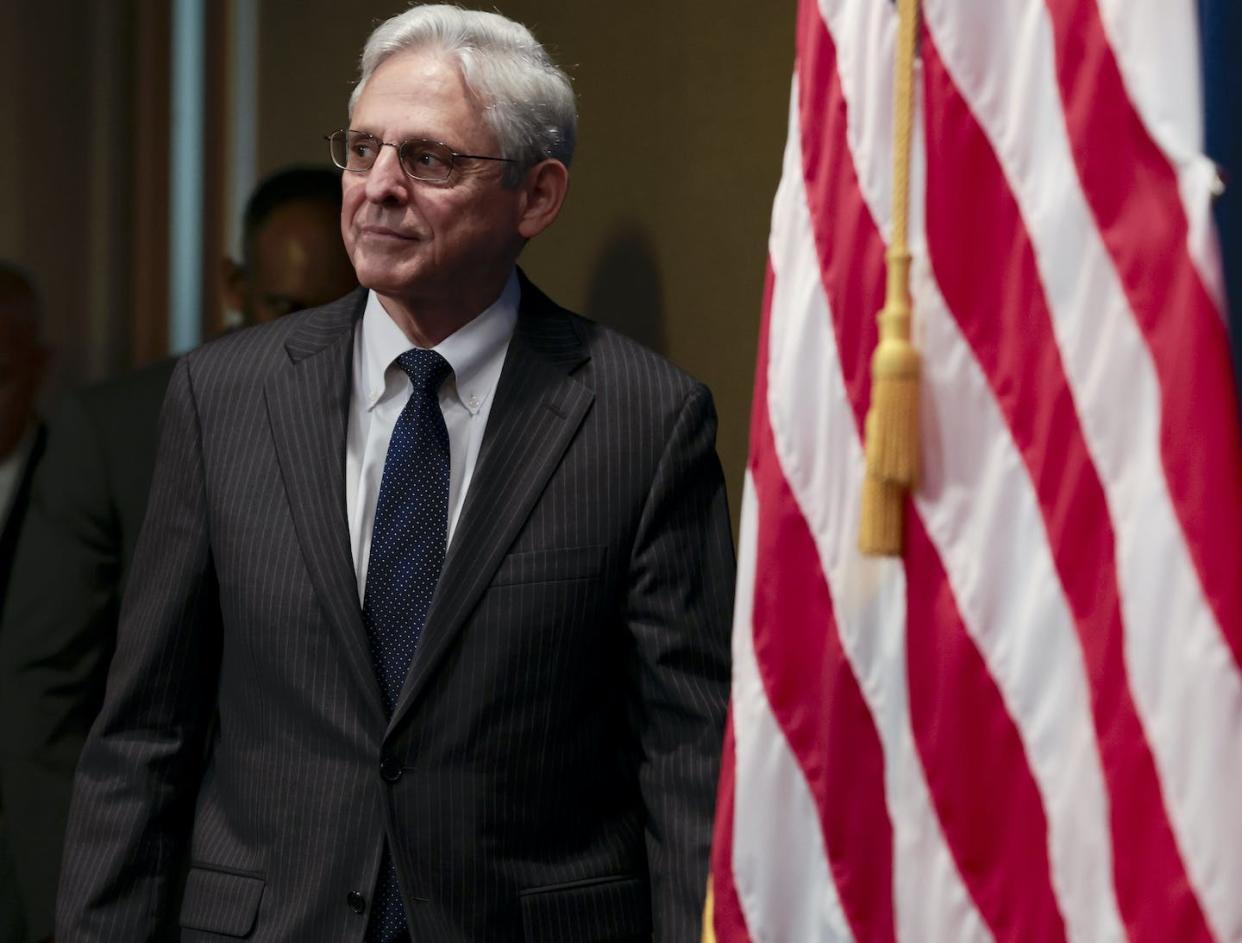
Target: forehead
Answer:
pixel 294 224
pixel 18 338
pixel 298 254
pixel 417 93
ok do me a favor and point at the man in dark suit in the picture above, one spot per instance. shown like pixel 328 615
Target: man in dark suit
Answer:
pixel 23 361
pixel 428 632
pixel 89 498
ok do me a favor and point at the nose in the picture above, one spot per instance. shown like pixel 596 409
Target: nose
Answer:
pixel 386 181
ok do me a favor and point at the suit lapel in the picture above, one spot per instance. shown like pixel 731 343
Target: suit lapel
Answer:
pixel 537 411
pixel 308 406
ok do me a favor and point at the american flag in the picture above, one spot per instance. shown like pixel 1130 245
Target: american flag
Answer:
pixel 1029 727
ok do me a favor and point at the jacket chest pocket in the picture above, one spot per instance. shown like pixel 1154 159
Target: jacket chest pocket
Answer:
pixel 550 566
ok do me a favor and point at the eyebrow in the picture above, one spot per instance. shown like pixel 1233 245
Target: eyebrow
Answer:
pixel 411 136
pixel 416 136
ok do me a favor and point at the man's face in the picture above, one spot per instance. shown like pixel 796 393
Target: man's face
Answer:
pixel 429 246
pixel 296 260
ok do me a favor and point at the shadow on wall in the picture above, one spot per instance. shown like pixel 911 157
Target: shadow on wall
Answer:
pixel 625 290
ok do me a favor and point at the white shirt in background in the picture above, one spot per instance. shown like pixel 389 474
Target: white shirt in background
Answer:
pixel 11 470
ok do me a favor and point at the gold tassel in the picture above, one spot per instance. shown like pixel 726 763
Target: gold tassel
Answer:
pixel 892 426
pixel 893 417
pixel 883 517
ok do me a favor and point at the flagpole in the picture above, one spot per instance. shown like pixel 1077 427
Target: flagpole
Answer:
pixel 892 434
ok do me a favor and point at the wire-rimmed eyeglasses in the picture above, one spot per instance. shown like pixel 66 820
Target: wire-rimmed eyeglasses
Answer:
pixel 357 151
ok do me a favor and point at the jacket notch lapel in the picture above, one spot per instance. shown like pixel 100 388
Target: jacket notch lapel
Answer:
pixel 308 408
pixel 537 411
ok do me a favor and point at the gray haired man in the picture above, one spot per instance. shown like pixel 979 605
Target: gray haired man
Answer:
pixel 427 633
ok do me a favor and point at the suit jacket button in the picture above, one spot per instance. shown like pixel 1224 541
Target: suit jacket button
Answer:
pixel 357 903
pixel 390 769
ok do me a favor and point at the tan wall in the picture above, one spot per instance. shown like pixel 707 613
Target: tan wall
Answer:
pixel 683 108
pixel 60 167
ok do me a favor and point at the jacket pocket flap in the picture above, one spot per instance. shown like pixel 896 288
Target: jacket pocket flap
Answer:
pixel 592 911
pixel 548 566
pixel 221 901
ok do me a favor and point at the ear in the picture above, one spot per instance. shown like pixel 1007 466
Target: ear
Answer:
pixel 543 193
pixel 233 285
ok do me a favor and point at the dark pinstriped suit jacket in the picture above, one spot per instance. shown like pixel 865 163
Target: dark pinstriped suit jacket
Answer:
pixel 549 771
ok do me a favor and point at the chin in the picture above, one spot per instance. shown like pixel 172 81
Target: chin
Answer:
pixel 380 276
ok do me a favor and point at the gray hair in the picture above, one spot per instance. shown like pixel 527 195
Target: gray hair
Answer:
pixel 528 102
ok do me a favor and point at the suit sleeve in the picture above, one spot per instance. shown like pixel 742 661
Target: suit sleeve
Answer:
pixel 679 611
pixel 58 634
pixel 129 820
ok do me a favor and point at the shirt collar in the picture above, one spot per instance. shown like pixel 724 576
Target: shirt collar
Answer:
pixel 11 469
pixel 475 351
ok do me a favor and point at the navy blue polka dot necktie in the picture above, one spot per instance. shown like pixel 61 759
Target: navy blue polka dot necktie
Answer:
pixel 407 551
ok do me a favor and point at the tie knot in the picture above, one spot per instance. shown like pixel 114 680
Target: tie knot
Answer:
pixel 425 368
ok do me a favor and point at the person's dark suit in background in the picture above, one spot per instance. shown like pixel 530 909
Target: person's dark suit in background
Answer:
pixel 545 769
pixel 23 362
pixel 90 496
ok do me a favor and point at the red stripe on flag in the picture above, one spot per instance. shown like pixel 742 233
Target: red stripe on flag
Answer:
pixel 851 251
pixel 811 688
pixel 728 921
pixel 1133 193
pixel 1006 869
pixel 985 265
pixel 985 796
pixel 817 702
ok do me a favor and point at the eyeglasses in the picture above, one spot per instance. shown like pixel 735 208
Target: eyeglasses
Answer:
pixel 357 151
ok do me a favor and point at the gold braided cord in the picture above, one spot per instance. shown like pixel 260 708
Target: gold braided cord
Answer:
pixel 892 434
pixel 903 118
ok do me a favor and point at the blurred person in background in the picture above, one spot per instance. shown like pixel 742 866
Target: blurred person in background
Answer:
pixel 292 254
pixel 23 364
pixel 88 502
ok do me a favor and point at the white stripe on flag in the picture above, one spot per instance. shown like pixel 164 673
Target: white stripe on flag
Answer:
pixel 1170 101
pixel 984 520
pixel 780 867
pixel 1183 677
pixel 865 34
pixel 819 449
pixel 988 531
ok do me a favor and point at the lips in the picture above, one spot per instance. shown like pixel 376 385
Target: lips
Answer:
pixel 384 232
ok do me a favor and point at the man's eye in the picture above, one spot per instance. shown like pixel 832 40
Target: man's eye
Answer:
pixel 362 148
pixel 429 158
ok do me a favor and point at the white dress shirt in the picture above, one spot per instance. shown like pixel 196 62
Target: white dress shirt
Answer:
pixel 11 470
pixel 381 389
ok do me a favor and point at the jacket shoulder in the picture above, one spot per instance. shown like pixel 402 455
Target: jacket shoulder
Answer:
pixel 623 359
pixel 608 361
pixel 246 357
